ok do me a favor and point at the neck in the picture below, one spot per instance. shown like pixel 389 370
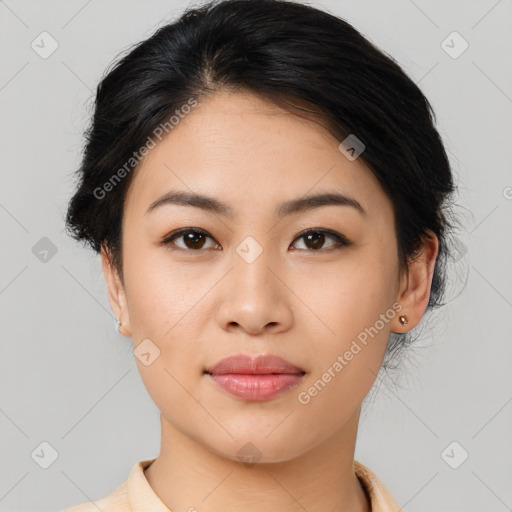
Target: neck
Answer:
pixel 188 475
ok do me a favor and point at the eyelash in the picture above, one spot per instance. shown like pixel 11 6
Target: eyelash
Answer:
pixel 342 240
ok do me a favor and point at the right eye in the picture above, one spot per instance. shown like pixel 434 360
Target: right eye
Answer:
pixel 193 239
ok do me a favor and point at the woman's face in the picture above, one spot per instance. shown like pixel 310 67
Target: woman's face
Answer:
pixel 253 281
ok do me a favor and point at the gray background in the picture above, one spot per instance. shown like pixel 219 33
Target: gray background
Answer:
pixel 69 380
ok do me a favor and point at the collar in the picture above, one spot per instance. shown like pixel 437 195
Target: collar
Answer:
pixel 381 499
pixel 142 498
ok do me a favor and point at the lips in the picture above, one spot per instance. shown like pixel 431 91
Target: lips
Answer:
pixel 259 365
pixel 255 378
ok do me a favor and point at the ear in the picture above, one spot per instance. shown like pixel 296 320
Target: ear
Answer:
pixel 116 292
pixel 416 284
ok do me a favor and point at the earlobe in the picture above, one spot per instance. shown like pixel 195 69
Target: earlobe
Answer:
pixel 116 293
pixel 120 328
pixel 415 292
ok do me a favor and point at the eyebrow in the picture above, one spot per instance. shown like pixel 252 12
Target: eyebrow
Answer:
pixel 286 208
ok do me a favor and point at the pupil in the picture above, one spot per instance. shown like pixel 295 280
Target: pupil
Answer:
pixel 317 239
pixel 192 238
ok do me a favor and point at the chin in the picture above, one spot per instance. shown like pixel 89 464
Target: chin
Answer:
pixel 258 449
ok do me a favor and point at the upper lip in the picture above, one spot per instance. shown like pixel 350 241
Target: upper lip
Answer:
pixel 254 365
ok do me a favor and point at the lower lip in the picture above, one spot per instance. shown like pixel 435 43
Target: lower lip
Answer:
pixel 256 387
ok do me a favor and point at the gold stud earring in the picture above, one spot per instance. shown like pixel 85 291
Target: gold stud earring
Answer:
pixel 403 319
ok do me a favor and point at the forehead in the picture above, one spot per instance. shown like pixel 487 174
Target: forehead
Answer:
pixel 246 151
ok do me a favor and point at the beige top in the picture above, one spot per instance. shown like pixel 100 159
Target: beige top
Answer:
pixel 136 495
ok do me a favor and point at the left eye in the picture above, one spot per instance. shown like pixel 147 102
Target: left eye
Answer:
pixel 316 238
pixel 194 239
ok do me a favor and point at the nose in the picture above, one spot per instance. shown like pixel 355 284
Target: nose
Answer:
pixel 254 296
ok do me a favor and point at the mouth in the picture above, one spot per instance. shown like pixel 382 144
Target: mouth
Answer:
pixel 257 378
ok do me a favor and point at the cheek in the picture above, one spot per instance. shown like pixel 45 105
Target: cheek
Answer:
pixel 345 299
pixel 168 306
pixel 160 294
pixel 354 303
pixel 162 310
pixel 347 357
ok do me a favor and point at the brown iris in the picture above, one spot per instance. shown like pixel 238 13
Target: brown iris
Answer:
pixel 194 240
pixel 315 238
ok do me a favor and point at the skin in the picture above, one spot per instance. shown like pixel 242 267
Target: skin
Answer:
pixel 302 303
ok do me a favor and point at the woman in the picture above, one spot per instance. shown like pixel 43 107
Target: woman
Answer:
pixel 270 199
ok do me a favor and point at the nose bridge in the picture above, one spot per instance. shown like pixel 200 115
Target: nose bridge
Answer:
pixel 251 287
pixel 251 261
pixel 251 295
